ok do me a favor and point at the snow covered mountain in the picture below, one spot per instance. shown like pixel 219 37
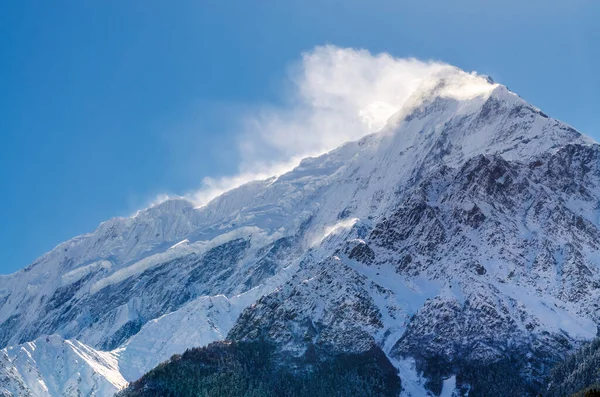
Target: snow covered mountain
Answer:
pixel 52 366
pixel 463 236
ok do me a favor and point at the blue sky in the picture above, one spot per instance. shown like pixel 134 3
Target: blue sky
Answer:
pixel 105 105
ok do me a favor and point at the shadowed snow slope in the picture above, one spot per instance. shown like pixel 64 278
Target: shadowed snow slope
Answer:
pixel 463 234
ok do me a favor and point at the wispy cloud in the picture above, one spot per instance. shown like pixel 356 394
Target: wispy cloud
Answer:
pixel 336 95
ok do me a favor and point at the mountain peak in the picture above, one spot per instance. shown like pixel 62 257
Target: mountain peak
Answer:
pixel 456 115
pixel 450 83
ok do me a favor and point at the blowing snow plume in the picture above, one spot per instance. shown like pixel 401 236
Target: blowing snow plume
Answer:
pixel 337 95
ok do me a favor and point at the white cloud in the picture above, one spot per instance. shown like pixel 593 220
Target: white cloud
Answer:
pixel 214 187
pixel 336 95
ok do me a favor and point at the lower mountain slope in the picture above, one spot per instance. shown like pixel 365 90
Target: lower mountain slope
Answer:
pixel 227 369
pixel 577 374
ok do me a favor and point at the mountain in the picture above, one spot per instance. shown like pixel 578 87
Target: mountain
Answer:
pixel 461 241
pixel 52 366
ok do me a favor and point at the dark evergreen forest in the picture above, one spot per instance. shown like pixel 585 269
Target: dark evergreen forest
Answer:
pixel 253 369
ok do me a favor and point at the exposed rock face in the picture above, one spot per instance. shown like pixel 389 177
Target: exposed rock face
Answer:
pixel 462 240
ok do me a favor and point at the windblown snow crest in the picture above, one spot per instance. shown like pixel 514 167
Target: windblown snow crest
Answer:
pixel 461 240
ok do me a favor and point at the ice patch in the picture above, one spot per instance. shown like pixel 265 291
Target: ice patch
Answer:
pixel 186 241
pixel 449 387
pixel 412 382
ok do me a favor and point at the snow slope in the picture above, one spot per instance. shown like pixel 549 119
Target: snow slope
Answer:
pixel 52 366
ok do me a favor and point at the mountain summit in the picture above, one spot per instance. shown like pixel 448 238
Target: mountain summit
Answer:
pixel 461 240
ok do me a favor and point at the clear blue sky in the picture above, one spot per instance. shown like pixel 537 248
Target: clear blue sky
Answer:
pixel 98 98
